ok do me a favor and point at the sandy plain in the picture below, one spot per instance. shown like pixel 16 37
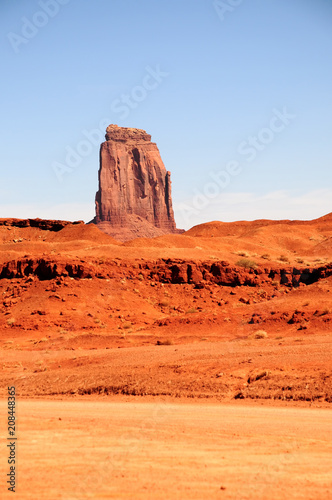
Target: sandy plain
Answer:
pixel 127 449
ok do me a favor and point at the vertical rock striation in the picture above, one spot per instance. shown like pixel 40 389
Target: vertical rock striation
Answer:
pixel 134 196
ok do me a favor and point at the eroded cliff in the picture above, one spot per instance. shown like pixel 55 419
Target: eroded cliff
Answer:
pixel 134 196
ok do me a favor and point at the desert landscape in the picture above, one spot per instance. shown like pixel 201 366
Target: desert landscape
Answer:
pixel 186 324
pixel 166 250
pixel 152 361
pixel 224 311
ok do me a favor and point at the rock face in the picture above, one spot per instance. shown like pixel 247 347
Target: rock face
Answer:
pixel 134 196
pixel 172 271
pixel 46 225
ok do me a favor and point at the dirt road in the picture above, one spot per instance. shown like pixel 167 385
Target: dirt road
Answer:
pixel 82 449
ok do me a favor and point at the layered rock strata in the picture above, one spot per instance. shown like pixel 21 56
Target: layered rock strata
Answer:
pixel 44 224
pixel 171 271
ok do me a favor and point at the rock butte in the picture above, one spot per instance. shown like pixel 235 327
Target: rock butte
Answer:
pixel 134 197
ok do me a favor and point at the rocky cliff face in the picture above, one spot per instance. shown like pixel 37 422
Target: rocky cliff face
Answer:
pixel 171 271
pixel 134 196
pixel 46 225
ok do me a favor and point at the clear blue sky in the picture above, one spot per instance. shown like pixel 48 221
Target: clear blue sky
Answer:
pixel 224 76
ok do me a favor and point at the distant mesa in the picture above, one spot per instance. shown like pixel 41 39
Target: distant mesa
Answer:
pixel 134 197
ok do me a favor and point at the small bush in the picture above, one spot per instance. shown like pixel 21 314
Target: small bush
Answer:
pixel 165 342
pixel 283 258
pixel 260 334
pixel 265 256
pixel 258 375
pixel 246 263
pixel 126 325
pixel 299 260
pixel 242 253
pixel 192 310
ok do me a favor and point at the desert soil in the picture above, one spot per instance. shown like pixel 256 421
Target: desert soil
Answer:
pixel 105 449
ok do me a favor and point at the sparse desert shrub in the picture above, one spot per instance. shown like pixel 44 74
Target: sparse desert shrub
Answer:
pixel 164 303
pixel 259 334
pixel 141 277
pixel 275 283
pixel 192 310
pixel 242 253
pixel 165 342
pixel 10 321
pixel 246 263
pixel 97 320
pixel 306 304
pixel 265 256
pixel 299 260
pixel 283 258
pixel 126 325
pixel 258 375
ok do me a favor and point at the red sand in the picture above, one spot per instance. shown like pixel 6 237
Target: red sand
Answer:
pixel 105 295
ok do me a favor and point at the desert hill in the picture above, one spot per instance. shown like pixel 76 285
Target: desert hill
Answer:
pixel 257 293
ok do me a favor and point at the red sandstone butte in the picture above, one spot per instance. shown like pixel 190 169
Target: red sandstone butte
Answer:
pixel 134 196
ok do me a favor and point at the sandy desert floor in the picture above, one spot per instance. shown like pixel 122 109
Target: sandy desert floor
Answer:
pixel 110 449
